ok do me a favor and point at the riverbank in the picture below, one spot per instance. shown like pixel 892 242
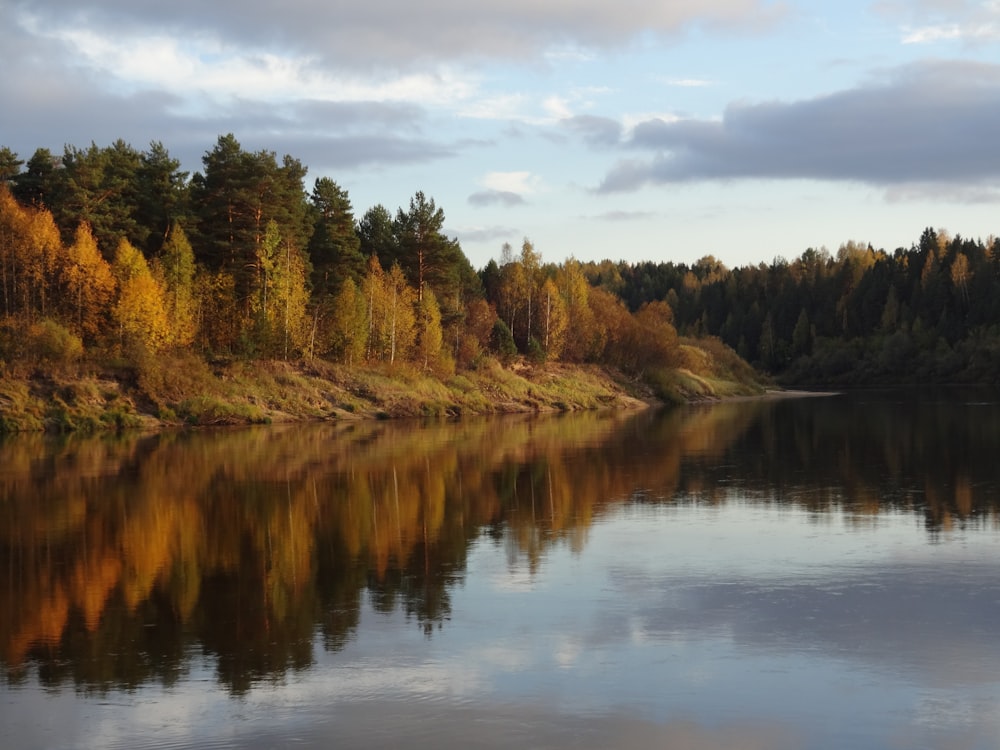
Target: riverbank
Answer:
pixel 185 390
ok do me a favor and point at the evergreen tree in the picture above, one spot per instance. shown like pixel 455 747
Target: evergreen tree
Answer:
pixel 335 248
pixel 161 202
pixel 377 235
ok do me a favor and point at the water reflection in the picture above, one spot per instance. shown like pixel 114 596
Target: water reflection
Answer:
pixel 129 560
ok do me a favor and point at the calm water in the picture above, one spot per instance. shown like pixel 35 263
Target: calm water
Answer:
pixel 809 573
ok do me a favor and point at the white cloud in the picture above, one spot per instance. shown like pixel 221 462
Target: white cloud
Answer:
pixel 952 32
pixel 521 183
pixel 205 64
pixel 557 107
pixel 688 83
pixel 495 107
pixel 395 35
pixel 930 21
pixel 631 120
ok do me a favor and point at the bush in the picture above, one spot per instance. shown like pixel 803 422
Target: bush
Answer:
pixel 536 353
pixel 502 342
pixel 42 344
pixel 53 344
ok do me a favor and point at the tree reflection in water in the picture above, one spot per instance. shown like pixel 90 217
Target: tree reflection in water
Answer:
pixel 121 557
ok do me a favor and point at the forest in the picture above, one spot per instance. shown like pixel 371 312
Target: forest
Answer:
pixel 111 254
pixel 929 313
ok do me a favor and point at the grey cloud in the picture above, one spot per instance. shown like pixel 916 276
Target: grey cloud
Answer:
pixel 597 131
pixel 358 151
pixel 382 32
pixel 351 115
pixel 617 216
pixel 51 104
pixel 926 123
pixel 495 198
pixel 486 234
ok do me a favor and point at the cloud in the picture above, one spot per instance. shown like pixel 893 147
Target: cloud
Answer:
pixel 514 182
pixel 495 233
pixel 933 122
pixel 356 34
pixel 932 21
pixel 688 83
pixel 616 216
pixel 989 32
pixel 496 197
pixel 597 131
pixel 324 152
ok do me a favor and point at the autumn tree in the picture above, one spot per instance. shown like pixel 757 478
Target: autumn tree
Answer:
pixel 530 261
pixel 280 295
pixel 141 310
pixel 30 248
pixel 218 314
pixel 391 318
pixel 509 287
pixel 581 325
pixel 552 319
pixel 347 331
pixel 86 286
pixel 480 317
pixel 175 266
pixel 428 349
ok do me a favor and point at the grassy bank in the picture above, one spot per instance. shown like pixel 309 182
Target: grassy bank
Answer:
pixel 186 390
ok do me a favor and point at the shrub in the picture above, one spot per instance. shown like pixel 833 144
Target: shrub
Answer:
pixel 53 344
pixel 502 342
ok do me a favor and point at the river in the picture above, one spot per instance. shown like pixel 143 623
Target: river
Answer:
pixel 815 573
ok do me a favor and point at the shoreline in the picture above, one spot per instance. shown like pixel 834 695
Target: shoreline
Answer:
pixel 188 392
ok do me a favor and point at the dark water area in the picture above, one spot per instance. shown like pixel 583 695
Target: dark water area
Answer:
pixel 797 573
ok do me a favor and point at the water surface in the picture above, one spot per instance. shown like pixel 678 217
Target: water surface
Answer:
pixel 814 573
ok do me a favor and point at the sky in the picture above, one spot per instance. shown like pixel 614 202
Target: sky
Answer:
pixel 629 130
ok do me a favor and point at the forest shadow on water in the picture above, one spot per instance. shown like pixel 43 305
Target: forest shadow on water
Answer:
pixel 247 557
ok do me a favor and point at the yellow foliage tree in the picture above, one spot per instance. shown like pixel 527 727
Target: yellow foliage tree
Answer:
pixel 429 351
pixel 581 326
pixel 175 268
pixel 216 310
pixel 391 318
pixel 552 320
pixel 348 331
pixel 281 295
pixel 86 285
pixel 141 309
pixel 29 249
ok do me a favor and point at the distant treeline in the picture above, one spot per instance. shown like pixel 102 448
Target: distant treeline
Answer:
pixel 927 313
pixel 112 252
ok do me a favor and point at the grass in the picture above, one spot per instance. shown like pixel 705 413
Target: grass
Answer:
pixel 183 389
